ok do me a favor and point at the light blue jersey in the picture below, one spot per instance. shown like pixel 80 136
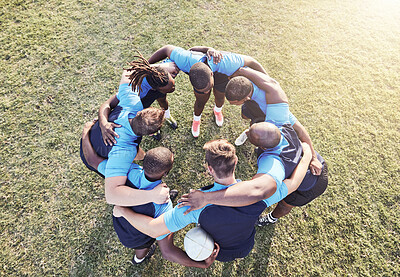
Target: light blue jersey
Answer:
pixel 124 151
pixel 269 162
pixel 175 219
pixel 185 59
pixel 273 112
pixel 137 177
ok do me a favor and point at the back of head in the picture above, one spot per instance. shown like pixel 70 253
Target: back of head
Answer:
pixel 221 156
pixel 238 88
pixel 147 121
pixel 141 68
pixel 157 162
pixel 200 75
pixel 264 134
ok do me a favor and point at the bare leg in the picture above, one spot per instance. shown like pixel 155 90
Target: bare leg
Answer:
pixel 141 253
pixel 219 98
pixel 201 100
pixel 163 102
pixel 281 209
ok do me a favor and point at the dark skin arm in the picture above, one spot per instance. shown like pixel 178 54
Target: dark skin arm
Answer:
pixel 174 254
pixel 161 54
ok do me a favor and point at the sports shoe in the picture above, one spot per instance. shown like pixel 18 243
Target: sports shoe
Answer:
pixel 157 136
pixel 266 220
pixel 173 194
pixel 196 128
pixel 242 138
pixel 148 255
pixel 172 122
pixel 219 118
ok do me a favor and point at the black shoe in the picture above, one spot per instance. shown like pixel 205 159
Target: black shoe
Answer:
pixel 265 220
pixel 148 255
pixel 157 136
pixel 173 194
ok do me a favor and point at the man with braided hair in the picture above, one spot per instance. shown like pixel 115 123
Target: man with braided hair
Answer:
pixel 149 82
pixel 134 122
pixel 208 69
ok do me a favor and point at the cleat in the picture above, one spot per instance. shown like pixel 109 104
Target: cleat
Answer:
pixel 265 220
pixel 196 128
pixel 157 136
pixel 219 118
pixel 242 138
pixel 172 122
pixel 148 255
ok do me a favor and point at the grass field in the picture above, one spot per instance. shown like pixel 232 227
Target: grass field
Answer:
pixel 338 61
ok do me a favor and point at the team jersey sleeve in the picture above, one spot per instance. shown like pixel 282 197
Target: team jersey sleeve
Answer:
pixel 271 165
pixel 102 167
pixel 161 209
pixel 175 219
pixel 119 161
pixel 123 90
pixel 292 119
pixel 278 114
pixel 228 64
pixel 181 58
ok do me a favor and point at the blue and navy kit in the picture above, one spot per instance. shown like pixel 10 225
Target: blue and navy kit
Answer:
pixel 127 234
pixel 185 59
pixel 231 227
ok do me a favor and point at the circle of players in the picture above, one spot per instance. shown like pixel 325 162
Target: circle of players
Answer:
pixel 290 172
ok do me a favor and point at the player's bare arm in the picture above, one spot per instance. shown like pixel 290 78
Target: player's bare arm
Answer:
pixel 254 64
pixel 300 171
pixel 153 227
pixel 107 128
pixel 274 92
pixel 210 52
pixel 161 54
pixel 315 165
pixel 174 254
pixel 245 193
pixel 117 193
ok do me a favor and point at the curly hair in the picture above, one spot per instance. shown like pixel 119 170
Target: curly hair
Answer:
pixel 147 121
pixel 238 88
pixel 140 69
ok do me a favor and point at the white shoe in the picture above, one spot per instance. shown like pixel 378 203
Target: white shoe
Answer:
pixel 242 138
pixel 219 118
pixel 196 128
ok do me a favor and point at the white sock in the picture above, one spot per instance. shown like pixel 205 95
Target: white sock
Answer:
pixel 138 260
pixel 218 109
pixel 167 113
pixel 196 118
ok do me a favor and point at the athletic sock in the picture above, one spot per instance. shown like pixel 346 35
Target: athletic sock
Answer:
pixel 138 260
pixel 167 113
pixel 216 109
pixel 196 118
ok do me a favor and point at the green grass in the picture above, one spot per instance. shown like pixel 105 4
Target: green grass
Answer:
pixel 338 61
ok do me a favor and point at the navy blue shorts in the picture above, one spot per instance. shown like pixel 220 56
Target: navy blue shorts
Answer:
pixel 301 198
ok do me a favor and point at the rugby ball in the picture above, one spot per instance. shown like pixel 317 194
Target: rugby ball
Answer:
pixel 198 244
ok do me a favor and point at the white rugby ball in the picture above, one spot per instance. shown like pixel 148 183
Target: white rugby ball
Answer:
pixel 198 244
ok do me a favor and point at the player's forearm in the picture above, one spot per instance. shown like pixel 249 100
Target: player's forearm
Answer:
pixel 160 54
pixel 202 49
pixel 243 193
pixel 177 255
pixel 123 195
pixel 254 64
pixel 298 174
pixel 105 109
pixel 145 224
pixel 304 136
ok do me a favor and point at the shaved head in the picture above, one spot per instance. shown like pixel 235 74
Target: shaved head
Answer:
pixel 264 134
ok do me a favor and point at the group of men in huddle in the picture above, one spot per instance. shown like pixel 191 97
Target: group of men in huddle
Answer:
pixel 290 172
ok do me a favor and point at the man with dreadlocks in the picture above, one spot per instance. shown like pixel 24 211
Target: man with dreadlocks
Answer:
pixel 208 69
pixel 150 82
pixel 134 122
